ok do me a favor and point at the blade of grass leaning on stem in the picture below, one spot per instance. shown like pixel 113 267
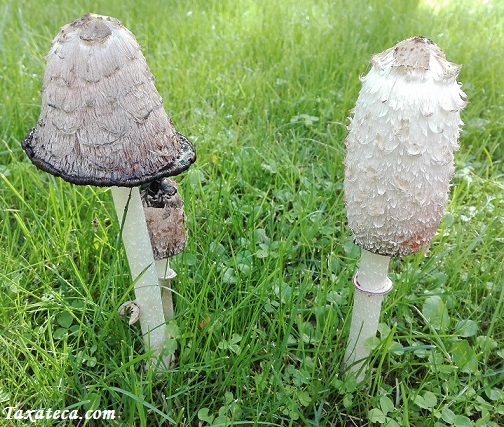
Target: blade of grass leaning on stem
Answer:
pixel 165 275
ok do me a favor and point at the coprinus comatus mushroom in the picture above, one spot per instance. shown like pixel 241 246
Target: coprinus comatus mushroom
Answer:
pixel 404 131
pixel 103 123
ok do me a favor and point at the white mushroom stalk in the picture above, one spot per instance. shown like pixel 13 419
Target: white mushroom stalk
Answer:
pixel 399 163
pixel 103 123
pixel 143 270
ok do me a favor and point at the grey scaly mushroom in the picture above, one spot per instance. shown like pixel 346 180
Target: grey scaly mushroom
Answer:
pixel 103 123
pixel 399 163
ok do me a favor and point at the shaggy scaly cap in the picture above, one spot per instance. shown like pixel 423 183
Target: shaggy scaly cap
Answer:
pixel 102 120
pixel 400 148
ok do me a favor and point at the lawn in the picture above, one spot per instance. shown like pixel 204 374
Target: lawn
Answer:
pixel 263 292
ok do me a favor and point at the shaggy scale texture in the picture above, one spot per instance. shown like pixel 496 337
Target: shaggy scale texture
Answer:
pixel 402 136
pixel 102 120
pixel 164 214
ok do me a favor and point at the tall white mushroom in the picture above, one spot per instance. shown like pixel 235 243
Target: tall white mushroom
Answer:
pixel 103 123
pixel 399 163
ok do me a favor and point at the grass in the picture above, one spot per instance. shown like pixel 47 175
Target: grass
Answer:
pixel 263 290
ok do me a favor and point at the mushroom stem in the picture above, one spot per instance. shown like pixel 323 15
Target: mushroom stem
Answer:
pixel 371 284
pixel 143 270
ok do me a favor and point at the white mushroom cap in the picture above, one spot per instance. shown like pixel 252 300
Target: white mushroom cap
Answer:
pixel 400 146
pixel 102 120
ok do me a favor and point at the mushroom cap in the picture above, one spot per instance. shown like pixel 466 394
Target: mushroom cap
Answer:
pixel 102 120
pixel 164 213
pixel 400 145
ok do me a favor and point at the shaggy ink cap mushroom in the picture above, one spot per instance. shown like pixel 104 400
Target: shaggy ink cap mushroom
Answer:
pixel 102 120
pixel 404 130
pixel 103 123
